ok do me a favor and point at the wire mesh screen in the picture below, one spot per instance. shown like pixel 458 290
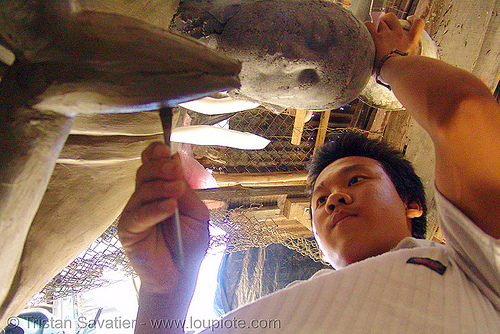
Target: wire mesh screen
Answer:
pixel 280 155
pixel 402 8
pixel 244 232
pixel 105 255
pixel 89 270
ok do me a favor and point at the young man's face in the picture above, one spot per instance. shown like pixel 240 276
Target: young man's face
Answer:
pixel 357 212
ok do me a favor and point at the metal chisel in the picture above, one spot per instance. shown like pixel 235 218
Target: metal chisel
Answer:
pixel 166 115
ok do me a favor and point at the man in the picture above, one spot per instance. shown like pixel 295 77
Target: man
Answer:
pixel 344 176
pixel 362 221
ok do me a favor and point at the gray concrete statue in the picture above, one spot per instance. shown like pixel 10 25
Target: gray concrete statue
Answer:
pixel 305 54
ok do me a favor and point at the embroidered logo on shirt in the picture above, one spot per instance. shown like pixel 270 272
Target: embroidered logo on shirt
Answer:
pixel 429 263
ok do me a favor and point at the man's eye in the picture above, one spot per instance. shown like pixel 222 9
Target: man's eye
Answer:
pixel 354 180
pixel 322 199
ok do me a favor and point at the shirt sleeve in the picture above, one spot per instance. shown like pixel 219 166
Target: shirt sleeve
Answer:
pixel 476 253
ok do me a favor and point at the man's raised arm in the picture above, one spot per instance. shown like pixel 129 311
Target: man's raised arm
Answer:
pixel 166 290
pixel 459 113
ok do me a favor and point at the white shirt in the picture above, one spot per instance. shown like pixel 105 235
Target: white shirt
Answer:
pixel 385 294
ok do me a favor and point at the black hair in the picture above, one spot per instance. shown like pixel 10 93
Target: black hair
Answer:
pixel 352 142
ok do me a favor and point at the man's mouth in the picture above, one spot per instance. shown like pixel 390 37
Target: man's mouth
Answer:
pixel 340 216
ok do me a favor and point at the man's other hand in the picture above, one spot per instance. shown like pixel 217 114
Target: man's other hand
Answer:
pixel 389 35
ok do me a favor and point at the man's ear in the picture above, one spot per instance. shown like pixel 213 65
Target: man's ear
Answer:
pixel 414 209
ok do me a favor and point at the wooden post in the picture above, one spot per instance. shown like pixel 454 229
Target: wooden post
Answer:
pixel 265 179
pixel 323 126
pixel 298 126
pixel 379 124
pixel 239 191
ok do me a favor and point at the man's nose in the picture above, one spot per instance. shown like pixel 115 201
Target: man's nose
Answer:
pixel 337 198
